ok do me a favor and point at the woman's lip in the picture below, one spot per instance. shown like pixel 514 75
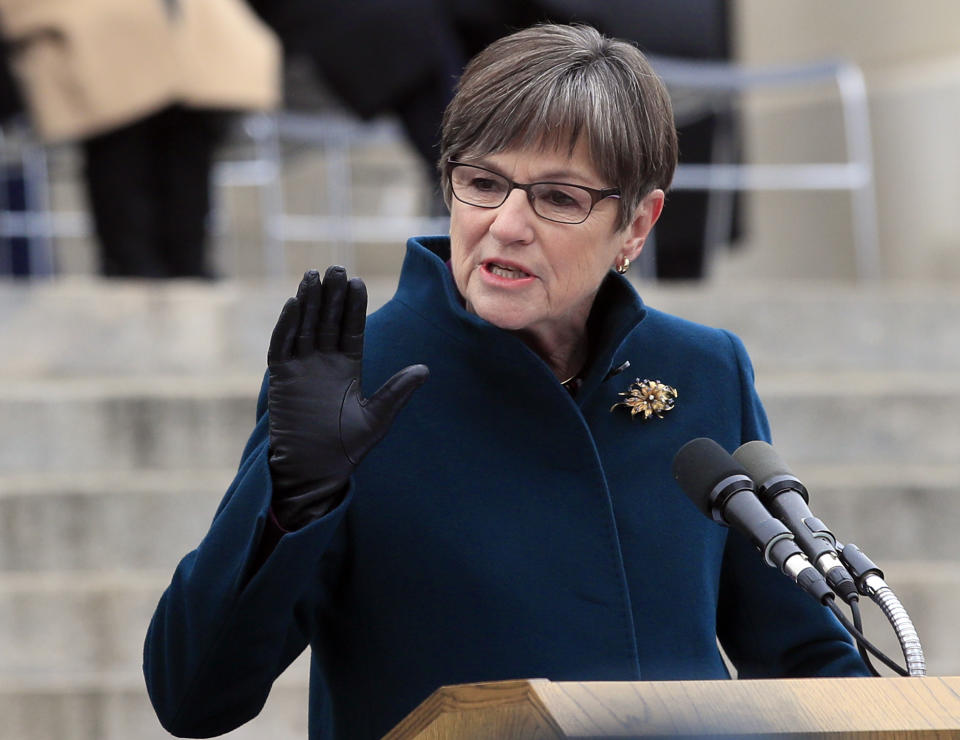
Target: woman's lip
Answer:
pixel 507 264
pixel 520 279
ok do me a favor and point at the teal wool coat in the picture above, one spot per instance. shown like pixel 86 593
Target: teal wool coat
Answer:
pixel 502 529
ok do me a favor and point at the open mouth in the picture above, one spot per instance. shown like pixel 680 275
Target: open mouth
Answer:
pixel 505 271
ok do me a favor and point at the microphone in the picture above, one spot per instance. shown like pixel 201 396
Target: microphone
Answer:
pixel 786 498
pixel 721 489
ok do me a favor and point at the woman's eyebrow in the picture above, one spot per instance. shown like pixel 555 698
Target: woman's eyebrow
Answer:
pixel 560 175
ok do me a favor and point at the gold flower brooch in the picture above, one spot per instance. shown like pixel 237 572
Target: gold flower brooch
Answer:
pixel 648 398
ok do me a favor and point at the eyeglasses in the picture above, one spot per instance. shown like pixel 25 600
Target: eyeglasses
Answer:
pixel 554 201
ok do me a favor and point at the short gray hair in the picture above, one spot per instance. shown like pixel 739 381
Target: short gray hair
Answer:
pixel 550 84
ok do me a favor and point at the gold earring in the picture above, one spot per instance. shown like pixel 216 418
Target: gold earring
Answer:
pixel 623 265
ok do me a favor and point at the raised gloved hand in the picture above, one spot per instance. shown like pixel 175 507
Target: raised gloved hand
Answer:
pixel 321 426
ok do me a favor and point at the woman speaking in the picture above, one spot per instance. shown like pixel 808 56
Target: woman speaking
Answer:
pixel 511 512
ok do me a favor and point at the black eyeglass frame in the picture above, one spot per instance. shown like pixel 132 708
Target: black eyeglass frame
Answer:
pixel 596 195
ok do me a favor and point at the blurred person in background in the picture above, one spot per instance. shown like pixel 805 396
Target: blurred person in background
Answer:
pixel 514 514
pixel 11 102
pixel 145 86
pixel 13 249
pixel 422 45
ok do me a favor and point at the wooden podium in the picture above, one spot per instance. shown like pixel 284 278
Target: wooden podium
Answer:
pixel 875 708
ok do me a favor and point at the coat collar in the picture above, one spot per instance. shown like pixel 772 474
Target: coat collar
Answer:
pixel 426 281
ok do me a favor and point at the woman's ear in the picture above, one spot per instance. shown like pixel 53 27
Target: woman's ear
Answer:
pixel 644 217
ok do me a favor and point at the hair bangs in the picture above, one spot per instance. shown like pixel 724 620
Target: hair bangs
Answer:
pixel 546 117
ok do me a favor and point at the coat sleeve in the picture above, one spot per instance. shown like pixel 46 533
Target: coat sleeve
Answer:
pixel 221 634
pixel 767 625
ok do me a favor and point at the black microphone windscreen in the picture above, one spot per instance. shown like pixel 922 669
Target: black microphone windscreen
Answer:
pixel 762 462
pixel 699 466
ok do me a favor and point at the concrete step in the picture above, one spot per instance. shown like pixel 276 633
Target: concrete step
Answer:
pixel 862 417
pixel 169 423
pixel 115 706
pixel 95 521
pixel 126 423
pixel 88 327
pixel 67 623
pixel 94 328
pixel 893 512
pixel 78 626
pixel 827 326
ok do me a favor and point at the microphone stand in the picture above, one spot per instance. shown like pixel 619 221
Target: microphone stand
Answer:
pixel 869 580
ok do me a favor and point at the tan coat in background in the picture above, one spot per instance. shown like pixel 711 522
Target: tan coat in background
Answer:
pixel 88 66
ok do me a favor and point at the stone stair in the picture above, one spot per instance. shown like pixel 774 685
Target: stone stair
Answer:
pixel 124 408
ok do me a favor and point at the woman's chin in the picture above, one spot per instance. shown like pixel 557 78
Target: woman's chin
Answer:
pixel 502 316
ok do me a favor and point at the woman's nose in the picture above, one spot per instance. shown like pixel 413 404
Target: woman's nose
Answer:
pixel 514 218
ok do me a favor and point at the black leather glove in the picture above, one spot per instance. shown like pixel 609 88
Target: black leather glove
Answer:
pixel 321 426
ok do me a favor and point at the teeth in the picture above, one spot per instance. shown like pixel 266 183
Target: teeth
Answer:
pixel 506 272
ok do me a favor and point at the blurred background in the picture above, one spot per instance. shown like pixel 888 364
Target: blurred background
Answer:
pixel 150 233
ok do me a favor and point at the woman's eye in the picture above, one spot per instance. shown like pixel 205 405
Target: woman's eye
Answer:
pixel 560 198
pixel 486 184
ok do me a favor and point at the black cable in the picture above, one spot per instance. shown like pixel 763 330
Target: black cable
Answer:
pixel 858 623
pixel 861 640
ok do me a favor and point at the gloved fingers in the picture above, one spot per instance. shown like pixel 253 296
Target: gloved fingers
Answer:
pixel 331 308
pixel 309 297
pixel 354 319
pixel 386 403
pixel 364 423
pixel 284 333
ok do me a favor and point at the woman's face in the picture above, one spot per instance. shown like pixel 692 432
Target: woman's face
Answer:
pixel 523 273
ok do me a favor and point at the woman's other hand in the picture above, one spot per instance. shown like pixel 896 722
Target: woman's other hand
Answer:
pixel 321 426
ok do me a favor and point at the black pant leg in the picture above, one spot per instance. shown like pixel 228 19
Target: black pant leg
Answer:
pixel 122 193
pixel 681 236
pixel 184 164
